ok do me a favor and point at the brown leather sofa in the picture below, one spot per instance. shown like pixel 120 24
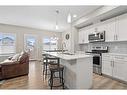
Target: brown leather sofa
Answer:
pixel 10 69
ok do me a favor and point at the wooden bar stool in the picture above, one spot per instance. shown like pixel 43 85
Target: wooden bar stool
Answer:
pixel 56 69
pixel 46 61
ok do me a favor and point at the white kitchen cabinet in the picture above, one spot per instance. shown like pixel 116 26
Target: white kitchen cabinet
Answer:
pixel 101 27
pixel 107 64
pixel 83 35
pixel 106 67
pixel 109 26
pixel 110 30
pixel 119 70
pixel 115 66
pixel 81 38
pixel 121 27
pixel 86 36
pixel 115 30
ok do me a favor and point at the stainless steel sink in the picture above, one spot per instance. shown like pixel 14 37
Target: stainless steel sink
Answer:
pixel 68 53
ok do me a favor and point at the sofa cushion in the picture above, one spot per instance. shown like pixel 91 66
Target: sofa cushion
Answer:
pixel 10 57
pixel 8 62
pixel 15 57
pixel 23 57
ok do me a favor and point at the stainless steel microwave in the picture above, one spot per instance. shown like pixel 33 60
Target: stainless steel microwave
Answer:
pixel 98 37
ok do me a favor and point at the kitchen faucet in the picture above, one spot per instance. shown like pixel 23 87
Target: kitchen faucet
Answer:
pixel 63 46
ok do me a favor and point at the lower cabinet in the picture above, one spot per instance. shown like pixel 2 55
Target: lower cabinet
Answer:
pixel 106 67
pixel 120 70
pixel 115 66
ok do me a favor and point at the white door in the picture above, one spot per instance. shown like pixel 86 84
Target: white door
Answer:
pixel 30 45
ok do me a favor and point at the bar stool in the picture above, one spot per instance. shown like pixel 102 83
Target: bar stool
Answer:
pixel 46 61
pixel 44 64
pixel 56 69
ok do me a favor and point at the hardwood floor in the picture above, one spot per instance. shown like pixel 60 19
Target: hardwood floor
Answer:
pixel 35 80
pixel 102 82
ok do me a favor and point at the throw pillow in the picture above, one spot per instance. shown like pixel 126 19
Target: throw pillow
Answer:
pixel 15 57
pixel 23 57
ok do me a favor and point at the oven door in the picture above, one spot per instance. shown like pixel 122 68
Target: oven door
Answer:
pixel 97 67
pixel 96 60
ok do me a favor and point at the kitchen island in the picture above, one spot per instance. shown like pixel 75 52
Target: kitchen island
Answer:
pixel 78 70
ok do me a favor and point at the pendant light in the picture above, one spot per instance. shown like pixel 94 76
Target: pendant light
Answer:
pixel 56 26
pixel 69 18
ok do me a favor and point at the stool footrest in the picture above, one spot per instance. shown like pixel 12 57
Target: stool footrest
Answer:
pixel 61 84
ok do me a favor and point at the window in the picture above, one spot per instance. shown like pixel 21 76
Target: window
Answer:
pixel 30 43
pixel 7 43
pixel 50 43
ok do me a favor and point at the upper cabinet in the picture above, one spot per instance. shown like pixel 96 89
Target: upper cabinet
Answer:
pixel 83 35
pixel 87 32
pixel 110 29
pixel 115 30
pixel 121 27
pixel 80 37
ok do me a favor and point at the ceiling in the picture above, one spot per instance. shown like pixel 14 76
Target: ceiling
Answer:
pixel 42 17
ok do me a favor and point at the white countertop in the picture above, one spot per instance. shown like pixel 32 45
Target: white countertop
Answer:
pixel 68 57
pixel 119 54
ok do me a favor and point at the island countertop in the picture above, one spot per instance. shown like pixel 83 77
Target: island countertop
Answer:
pixel 67 56
pixel 78 69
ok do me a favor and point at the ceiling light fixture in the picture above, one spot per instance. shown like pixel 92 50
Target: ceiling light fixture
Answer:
pixel 56 27
pixel 69 18
pixel 57 13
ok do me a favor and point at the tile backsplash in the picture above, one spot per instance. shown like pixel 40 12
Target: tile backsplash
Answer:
pixel 114 47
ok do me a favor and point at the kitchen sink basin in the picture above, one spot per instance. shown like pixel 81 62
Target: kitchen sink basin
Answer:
pixel 68 53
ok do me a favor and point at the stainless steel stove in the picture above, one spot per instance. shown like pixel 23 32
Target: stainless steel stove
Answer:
pixel 97 58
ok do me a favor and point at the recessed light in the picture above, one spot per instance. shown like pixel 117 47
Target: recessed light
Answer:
pixel 74 15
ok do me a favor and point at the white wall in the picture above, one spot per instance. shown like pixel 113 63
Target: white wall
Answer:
pixel 20 31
